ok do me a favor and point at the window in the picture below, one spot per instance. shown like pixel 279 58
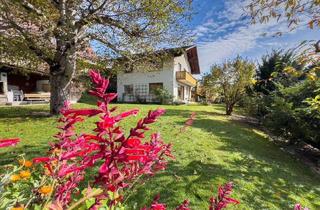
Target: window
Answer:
pixel 1 87
pixel 154 86
pixel 179 67
pixel 128 89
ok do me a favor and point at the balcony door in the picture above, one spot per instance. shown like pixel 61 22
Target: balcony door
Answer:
pixel 181 92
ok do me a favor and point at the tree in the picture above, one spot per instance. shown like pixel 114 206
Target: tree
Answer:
pixel 232 78
pixel 53 31
pixel 210 91
pixel 271 69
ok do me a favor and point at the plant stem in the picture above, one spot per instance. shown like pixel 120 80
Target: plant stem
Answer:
pixel 90 195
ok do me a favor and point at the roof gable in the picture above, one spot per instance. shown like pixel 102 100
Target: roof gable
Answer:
pixel 193 59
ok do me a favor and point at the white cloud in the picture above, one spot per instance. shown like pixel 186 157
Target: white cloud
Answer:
pixel 203 29
pixel 243 38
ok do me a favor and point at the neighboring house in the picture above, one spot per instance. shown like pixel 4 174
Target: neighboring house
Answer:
pixel 175 74
pixel 16 86
pixel 22 82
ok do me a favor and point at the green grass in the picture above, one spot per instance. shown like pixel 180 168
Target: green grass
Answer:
pixel 213 151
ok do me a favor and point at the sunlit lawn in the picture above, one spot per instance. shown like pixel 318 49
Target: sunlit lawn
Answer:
pixel 213 151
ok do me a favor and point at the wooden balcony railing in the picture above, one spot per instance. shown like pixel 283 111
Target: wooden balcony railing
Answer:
pixel 186 78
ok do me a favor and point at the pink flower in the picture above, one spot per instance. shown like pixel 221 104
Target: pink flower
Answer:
pixel 223 199
pixel 156 205
pixel 299 207
pixel 184 206
pixel 9 142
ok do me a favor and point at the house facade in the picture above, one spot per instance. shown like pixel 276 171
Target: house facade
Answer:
pixel 175 74
pixel 16 87
pixel 22 81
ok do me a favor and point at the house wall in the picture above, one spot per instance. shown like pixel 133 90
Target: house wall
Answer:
pixel 167 76
pixel 140 78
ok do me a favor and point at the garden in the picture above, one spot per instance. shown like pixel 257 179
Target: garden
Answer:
pixel 209 149
pixel 244 136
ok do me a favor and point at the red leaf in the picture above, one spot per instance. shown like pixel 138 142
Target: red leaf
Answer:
pixel 41 160
pixel 9 142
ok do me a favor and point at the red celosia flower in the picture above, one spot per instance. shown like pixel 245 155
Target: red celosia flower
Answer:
pixel 9 142
pixel 41 160
pixel 223 199
pixel 129 113
pixel 82 112
pixel 121 159
pixel 156 205
pixel 133 142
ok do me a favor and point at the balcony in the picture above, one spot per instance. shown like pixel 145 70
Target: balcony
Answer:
pixel 186 78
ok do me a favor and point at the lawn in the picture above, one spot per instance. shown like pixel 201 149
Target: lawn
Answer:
pixel 213 151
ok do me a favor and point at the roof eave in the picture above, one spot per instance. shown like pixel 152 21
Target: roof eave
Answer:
pixel 193 59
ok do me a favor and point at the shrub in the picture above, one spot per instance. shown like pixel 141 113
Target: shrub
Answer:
pixel 286 84
pixel 163 95
pixel 287 113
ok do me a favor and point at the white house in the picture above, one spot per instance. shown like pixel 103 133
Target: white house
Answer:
pixel 175 75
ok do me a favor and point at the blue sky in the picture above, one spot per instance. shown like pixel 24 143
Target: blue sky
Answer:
pixel 222 32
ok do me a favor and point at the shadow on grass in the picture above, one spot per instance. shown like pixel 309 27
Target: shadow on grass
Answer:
pixel 264 176
pixel 35 112
pixel 30 152
pixel 196 187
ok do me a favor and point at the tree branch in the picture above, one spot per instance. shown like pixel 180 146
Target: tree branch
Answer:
pixel 32 8
pixel 92 12
pixel 55 3
pixel 107 20
pixel 109 45
pixel 32 44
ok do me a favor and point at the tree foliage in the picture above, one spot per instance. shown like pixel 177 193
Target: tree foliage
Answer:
pixel 294 12
pixel 231 78
pixel 55 31
pixel 286 96
pixel 272 67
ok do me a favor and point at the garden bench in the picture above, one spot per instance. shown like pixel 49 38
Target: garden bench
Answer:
pixel 37 96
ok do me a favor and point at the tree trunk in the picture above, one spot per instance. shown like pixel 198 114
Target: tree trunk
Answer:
pixel 61 76
pixel 229 109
